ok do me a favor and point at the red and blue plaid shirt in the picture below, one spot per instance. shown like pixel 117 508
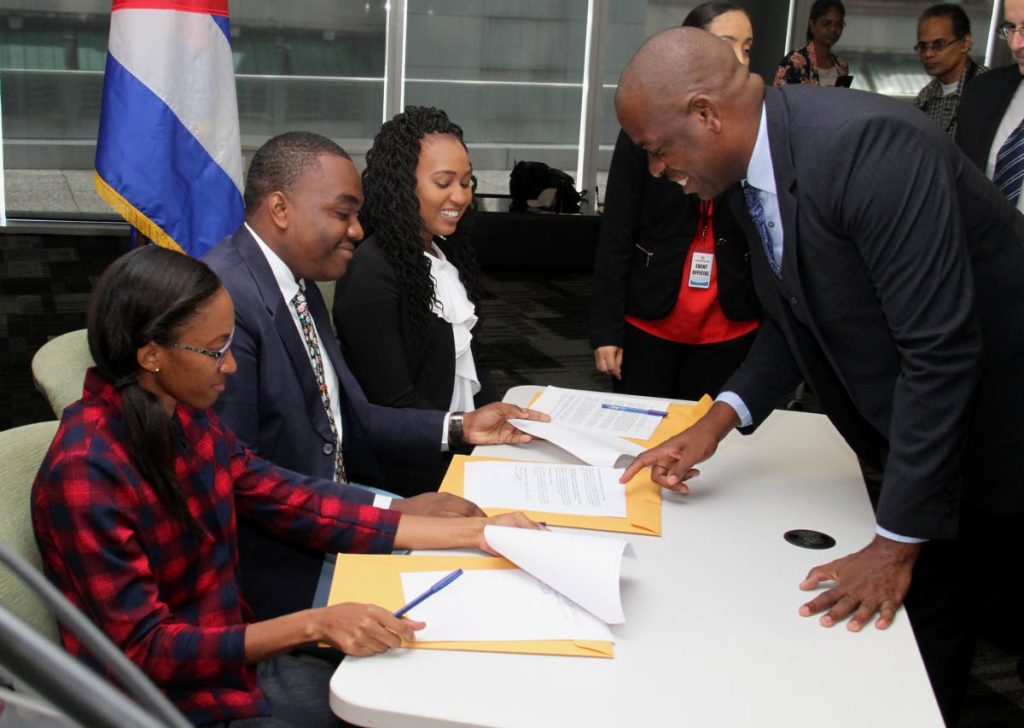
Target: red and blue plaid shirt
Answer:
pixel 172 603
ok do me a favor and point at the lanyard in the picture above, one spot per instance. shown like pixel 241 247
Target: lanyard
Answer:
pixel 705 210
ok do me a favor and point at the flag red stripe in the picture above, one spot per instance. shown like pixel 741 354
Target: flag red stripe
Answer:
pixel 208 7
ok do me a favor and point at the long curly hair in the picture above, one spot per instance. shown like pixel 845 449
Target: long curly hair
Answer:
pixel 391 212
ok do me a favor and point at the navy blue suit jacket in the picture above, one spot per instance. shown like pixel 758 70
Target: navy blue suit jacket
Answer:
pixel 900 302
pixel 273 404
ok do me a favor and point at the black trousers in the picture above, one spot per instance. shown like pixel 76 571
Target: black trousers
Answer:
pixel 966 588
pixel 655 367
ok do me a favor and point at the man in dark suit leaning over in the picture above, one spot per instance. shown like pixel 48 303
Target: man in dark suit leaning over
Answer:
pixel 293 400
pixel 992 112
pixel 890 279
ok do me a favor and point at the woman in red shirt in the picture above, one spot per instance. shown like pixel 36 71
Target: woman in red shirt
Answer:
pixel 673 310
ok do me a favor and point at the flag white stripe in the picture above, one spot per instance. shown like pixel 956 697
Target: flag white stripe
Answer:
pixel 160 47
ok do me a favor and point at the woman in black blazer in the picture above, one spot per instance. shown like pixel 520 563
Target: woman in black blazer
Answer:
pixel 658 326
pixel 405 311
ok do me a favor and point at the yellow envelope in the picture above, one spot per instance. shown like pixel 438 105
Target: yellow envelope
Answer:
pixel 643 503
pixel 680 416
pixel 376 579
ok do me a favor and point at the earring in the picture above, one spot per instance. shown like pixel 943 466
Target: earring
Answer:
pixel 157 370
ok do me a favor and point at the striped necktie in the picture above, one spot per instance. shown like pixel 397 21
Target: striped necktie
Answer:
pixel 757 215
pixel 1009 170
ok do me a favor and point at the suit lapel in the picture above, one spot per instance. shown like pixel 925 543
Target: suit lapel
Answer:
pixel 329 345
pixel 1000 103
pixel 785 182
pixel 287 332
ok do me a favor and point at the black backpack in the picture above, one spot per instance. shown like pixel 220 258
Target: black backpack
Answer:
pixel 529 179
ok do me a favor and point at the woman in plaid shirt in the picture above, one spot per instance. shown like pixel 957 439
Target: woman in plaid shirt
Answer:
pixel 136 503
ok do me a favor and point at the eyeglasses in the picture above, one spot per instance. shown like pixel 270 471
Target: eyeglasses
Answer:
pixel 218 354
pixel 1008 30
pixel 936 46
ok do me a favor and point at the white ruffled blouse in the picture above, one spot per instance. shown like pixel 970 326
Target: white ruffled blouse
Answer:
pixel 453 305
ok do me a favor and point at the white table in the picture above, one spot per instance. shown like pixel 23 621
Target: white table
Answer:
pixel 712 635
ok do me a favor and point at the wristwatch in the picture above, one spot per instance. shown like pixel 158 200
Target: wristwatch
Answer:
pixel 456 438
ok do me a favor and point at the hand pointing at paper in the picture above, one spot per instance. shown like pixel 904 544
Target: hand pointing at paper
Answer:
pixel 672 461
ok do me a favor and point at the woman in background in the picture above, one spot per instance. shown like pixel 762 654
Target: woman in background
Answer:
pixel 406 308
pixel 135 511
pixel 658 326
pixel 815 64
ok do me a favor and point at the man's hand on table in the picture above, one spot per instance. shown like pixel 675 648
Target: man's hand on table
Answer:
pixel 872 581
pixel 489 425
pixel 672 461
pixel 437 504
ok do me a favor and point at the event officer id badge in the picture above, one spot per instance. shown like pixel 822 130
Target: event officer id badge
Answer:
pixel 700 270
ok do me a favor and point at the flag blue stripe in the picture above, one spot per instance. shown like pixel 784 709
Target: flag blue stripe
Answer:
pixel 156 164
pixel 224 24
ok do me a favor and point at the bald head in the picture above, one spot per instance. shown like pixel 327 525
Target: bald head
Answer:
pixel 688 101
pixel 678 63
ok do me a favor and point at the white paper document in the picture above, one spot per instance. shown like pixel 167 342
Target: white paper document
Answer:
pixel 496 605
pixel 566 587
pixel 590 446
pixel 587 410
pixel 579 490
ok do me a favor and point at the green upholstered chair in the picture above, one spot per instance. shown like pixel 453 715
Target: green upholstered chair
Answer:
pixel 21 452
pixel 58 369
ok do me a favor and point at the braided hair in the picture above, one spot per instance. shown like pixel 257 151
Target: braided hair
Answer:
pixel 391 213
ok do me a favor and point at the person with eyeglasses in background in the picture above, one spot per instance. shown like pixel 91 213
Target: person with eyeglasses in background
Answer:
pixel 990 121
pixel 944 45
pixel 815 64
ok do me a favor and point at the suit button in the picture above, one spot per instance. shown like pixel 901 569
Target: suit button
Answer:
pixel 793 301
pixel 328 448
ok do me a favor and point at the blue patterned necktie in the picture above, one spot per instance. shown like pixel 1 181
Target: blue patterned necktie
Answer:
pixel 316 359
pixel 1009 170
pixel 757 216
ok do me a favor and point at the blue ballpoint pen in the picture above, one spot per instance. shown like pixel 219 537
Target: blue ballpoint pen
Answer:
pixel 634 410
pixel 432 590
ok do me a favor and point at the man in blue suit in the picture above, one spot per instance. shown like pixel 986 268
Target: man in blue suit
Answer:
pixel 888 270
pixel 293 400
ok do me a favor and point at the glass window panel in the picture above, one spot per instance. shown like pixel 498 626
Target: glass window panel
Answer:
pixel 318 65
pixel 509 73
pixel 629 25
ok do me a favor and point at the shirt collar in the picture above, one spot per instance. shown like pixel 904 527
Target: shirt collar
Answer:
pixel 286 280
pixel 760 170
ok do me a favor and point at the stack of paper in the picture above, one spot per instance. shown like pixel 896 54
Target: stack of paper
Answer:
pixel 593 426
pixel 560 600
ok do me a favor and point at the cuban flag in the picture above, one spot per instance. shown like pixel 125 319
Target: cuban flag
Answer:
pixel 169 157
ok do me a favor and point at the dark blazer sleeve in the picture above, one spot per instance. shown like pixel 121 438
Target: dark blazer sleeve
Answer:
pixel 896 198
pixel 768 373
